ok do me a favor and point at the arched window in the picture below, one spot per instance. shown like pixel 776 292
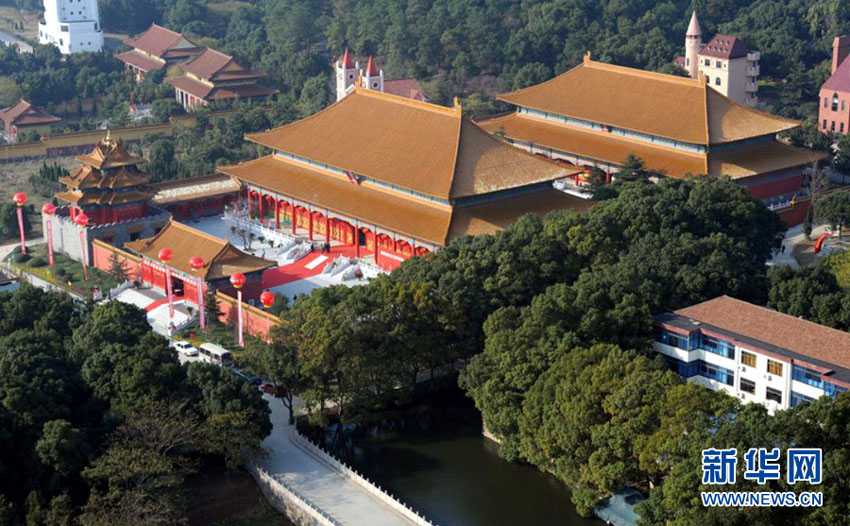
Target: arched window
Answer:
pixel 835 102
pixel 717 81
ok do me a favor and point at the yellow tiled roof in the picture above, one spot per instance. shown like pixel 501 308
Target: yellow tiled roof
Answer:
pixel 221 259
pixel 601 146
pixel 415 145
pixel 677 108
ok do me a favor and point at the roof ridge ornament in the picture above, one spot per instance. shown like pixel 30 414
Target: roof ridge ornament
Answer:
pixel 587 56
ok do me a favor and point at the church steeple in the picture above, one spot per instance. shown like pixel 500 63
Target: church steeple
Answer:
pixel 346 74
pixel 373 78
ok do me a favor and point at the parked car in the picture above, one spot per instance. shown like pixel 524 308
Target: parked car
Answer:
pixel 185 348
pixel 250 378
pixel 272 390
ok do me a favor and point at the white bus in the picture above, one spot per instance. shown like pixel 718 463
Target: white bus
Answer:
pixel 215 354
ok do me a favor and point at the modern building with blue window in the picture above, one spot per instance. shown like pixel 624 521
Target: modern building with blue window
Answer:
pixel 754 353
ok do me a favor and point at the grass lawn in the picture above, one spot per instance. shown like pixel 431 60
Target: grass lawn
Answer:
pixel 66 272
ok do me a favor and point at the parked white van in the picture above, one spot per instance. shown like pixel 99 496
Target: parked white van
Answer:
pixel 216 354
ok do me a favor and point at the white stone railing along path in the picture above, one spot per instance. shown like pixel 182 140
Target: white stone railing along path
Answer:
pixel 286 493
pixel 385 497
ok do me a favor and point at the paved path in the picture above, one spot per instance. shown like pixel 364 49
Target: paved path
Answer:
pixel 9 39
pixel 326 488
pixel 793 237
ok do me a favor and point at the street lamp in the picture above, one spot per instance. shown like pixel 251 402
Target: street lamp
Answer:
pixel 82 221
pixel 48 210
pixel 196 263
pixel 237 279
pixel 20 199
pixel 165 256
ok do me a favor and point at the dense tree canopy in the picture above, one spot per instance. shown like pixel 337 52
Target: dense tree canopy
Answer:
pixel 99 422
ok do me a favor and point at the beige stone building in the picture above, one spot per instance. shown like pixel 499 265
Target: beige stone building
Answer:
pixel 729 66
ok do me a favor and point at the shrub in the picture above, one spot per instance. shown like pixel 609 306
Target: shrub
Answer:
pixel 38 262
pixel 60 272
pixel 22 258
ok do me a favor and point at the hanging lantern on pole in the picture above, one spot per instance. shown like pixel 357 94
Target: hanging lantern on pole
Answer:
pixel 48 210
pixel 165 256
pixel 237 279
pixel 196 263
pixel 82 221
pixel 267 299
pixel 20 199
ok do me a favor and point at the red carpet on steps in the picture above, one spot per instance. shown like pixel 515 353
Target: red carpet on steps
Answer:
pixel 297 271
pixel 162 301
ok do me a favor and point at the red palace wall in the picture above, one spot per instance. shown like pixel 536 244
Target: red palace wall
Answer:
pixel 793 216
pixel 100 216
pixel 200 208
pixel 255 322
pixel 770 189
pixel 102 258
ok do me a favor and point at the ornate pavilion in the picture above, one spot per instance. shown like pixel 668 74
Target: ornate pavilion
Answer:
pixel 393 177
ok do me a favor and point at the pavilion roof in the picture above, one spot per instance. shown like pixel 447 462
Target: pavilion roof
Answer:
pixel 104 198
pixel 158 41
pixel 140 60
pixel 215 66
pixel 677 108
pixel 110 153
pixel 85 177
pixel 417 146
pixel 25 114
pixel 221 259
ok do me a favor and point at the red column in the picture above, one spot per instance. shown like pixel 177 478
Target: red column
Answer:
pixel 310 224
pixel 249 204
pixel 357 242
pixel 327 228
pixel 375 239
pixel 608 175
pixel 294 214
pixel 261 198
pixel 276 214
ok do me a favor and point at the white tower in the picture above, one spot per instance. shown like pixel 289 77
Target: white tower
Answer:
pixel 372 78
pixel 693 43
pixel 71 25
pixel 346 74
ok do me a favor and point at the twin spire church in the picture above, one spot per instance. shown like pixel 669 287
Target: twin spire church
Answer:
pixel 349 73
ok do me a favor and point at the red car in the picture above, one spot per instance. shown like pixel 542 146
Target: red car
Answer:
pixel 272 390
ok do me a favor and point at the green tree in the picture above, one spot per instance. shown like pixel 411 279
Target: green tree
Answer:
pixel 62 447
pixel 278 363
pixel 632 169
pixel 314 96
pixel 835 209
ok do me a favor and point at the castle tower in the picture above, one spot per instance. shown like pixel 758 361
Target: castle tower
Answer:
pixel 693 43
pixel 372 78
pixel 346 74
pixel 71 25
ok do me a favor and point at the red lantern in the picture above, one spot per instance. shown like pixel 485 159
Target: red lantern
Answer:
pixel 165 255
pixel 196 263
pixel 82 220
pixel 20 198
pixel 48 209
pixel 237 279
pixel 267 298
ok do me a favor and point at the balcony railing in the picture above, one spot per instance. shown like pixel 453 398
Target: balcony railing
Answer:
pixel 753 71
pixel 753 56
pixel 751 87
